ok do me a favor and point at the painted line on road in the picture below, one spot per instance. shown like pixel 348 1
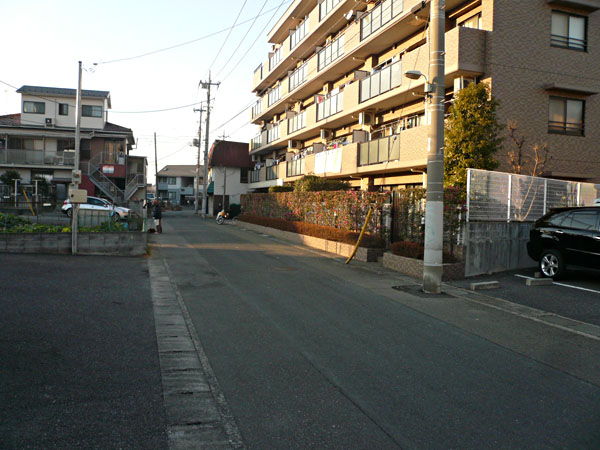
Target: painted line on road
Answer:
pixel 562 284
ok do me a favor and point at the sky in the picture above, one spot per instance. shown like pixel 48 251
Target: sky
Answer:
pixel 43 42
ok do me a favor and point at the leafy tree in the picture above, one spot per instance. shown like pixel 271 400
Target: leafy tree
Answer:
pixel 10 176
pixel 471 134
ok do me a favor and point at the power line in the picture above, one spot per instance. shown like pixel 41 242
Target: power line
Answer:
pixel 228 34
pixel 243 38
pixel 155 110
pixel 181 44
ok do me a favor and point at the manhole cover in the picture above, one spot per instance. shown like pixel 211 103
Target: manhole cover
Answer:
pixel 417 290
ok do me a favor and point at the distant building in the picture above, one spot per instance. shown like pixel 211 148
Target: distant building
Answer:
pixel 333 99
pixel 229 164
pixel 39 142
pixel 176 184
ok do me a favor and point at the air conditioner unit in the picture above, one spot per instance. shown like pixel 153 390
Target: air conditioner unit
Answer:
pixel 461 83
pixel 326 134
pixel 294 144
pixel 366 118
pixel 48 122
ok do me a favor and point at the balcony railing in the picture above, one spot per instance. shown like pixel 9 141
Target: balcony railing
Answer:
pixel 379 16
pixel 257 108
pixel 298 76
pixel 331 52
pixel 299 33
pixel 273 134
pixel 328 106
pixel 36 157
pixel 295 167
pixel 379 150
pixel 272 172
pixel 274 95
pixel 326 6
pixel 380 82
pixel 258 141
pixel 274 58
pixel 255 176
pixel 297 122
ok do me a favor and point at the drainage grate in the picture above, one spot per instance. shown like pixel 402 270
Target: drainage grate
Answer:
pixel 417 290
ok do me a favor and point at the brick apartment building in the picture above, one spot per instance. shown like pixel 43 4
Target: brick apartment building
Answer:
pixel 334 100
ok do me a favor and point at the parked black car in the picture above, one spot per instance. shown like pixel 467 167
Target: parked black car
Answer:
pixel 566 236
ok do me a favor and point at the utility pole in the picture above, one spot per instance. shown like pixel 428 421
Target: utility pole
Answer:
pixel 206 85
pixel 197 189
pixel 76 175
pixel 434 211
pixel 155 168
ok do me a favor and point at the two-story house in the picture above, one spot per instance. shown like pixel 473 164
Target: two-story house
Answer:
pixel 176 183
pixel 40 142
pixel 334 99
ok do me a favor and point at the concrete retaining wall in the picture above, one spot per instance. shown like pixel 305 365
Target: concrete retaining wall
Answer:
pixel 119 244
pixel 345 250
pixel 414 267
pixel 496 246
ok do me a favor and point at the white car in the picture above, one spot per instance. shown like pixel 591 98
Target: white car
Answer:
pixel 96 203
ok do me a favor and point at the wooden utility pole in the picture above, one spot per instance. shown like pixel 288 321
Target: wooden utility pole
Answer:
pixel 197 186
pixel 206 85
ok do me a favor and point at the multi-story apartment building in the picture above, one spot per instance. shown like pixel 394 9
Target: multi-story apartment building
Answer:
pixel 176 183
pixel 334 100
pixel 40 142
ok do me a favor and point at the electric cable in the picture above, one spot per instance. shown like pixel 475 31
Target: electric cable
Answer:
pixel 229 34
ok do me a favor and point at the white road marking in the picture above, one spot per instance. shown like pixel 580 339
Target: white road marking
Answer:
pixel 562 284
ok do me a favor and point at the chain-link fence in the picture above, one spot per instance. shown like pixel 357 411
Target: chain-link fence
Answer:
pixel 500 196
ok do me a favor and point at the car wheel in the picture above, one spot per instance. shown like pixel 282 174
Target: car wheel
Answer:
pixel 552 264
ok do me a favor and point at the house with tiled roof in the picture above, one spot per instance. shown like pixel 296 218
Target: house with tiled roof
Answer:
pixel 39 142
pixel 229 164
pixel 176 183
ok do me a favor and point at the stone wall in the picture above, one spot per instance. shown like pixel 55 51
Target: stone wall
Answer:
pixel 414 267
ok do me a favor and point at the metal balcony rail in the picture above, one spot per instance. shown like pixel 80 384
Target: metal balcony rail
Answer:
pixel 259 70
pixel 295 167
pixel 274 95
pixel 379 150
pixel 328 106
pixel 331 52
pixel 255 176
pixel 274 58
pixel 272 172
pixel 259 140
pixel 298 76
pixel 379 16
pixel 568 42
pixel 326 6
pixel 36 157
pixel 384 80
pixel 299 33
pixel 273 134
pixel 136 182
pixel 257 108
pixel 297 122
pixel 571 128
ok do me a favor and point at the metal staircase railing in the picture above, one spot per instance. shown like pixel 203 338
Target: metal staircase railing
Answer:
pixel 104 183
pixel 137 181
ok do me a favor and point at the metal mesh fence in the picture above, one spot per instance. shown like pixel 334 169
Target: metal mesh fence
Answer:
pixel 499 196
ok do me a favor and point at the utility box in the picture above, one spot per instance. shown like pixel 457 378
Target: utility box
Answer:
pixel 77 195
pixel 76 176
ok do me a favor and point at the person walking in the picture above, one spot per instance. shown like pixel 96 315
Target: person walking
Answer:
pixel 157 215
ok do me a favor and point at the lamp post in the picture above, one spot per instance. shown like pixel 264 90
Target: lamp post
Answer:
pixel 434 92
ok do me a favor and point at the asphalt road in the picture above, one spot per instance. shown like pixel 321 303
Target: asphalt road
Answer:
pixel 311 353
pixel 577 296
pixel 79 364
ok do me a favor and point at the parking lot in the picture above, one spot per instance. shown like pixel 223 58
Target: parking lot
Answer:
pixel 577 296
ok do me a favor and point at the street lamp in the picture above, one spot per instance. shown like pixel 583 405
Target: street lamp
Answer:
pixel 415 75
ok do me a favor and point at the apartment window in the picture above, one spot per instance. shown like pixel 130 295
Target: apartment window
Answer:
pixel 63 109
pixel 569 31
pixel 331 52
pixel 34 107
pixel 325 7
pixel 91 111
pixel 65 144
pixel 274 95
pixel 297 77
pixel 472 22
pixel 566 116
pixel 171 180
pixel 299 33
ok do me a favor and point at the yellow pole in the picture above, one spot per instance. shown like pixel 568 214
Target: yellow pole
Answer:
pixel 28 202
pixel 362 232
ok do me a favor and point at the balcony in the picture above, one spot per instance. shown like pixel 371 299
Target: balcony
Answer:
pixel 380 16
pixel 465 55
pixel 403 150
pixel 16 157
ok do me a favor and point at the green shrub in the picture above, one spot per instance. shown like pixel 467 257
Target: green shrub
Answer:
pixel 284 188
pixel 313 183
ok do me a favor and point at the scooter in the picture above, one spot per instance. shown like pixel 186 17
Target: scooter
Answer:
pixel 221 217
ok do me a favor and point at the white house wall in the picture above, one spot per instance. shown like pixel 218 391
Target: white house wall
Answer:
pixel 62 121
pixel 234 188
